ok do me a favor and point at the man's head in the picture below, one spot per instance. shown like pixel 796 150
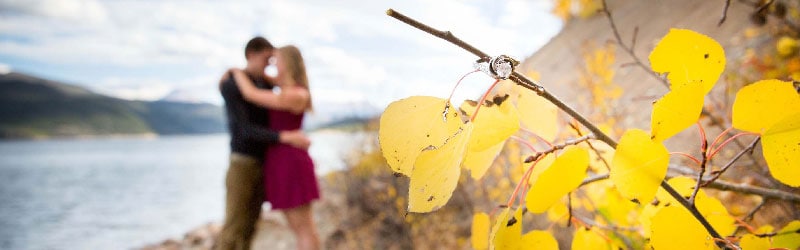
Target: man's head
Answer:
pixel 258 52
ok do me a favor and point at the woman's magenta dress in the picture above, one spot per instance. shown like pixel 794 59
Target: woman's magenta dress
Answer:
pixel 289 179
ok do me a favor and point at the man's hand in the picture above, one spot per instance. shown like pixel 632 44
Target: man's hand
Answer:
pixel 295 138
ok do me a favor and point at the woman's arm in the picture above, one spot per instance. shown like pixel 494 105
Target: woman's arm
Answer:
pixel 291 99
pixel 261 97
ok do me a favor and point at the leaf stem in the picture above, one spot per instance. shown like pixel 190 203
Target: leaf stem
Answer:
pixel 483 99
pixel 694 159
pixel 458 83
pixel 749 148
pixel 721 145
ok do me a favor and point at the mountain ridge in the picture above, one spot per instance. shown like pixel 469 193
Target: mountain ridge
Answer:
pixel 33 107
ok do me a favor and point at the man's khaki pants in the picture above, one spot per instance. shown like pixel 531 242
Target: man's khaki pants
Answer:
pixel 245 194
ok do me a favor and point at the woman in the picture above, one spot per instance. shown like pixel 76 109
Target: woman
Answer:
pixel 289 180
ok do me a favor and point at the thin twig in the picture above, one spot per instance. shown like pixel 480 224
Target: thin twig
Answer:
pixel 765 193
pixel 530 84
pixel 594 179
pixel 718 173
pixel 752 212
pixel 703 150
pixel 724 13
pixel 569 209
pixel 561 146
pixel 613 228
pixel 596 151
pixel 629 50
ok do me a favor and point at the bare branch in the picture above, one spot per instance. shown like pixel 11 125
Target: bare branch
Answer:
pixel 724 12
pixel 766 193
pixel 719 173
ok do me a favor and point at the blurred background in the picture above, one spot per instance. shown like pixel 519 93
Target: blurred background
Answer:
pixel 113 134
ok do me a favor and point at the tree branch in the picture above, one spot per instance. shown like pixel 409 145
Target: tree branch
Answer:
pixel 724 13
pixel 749 148
pixel 530 84
pixel 765 193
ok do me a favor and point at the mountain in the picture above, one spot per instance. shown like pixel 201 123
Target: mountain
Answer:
pixel 31 107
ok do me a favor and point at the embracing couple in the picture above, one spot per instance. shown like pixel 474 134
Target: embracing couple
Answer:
pixel 269 158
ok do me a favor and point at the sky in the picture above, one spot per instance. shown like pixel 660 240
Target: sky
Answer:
pixel 356 55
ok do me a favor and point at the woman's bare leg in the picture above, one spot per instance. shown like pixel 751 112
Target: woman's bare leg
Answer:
pixel 302 224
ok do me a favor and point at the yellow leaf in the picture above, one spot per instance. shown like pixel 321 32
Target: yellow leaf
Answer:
pixel 760 105
pixel 715 213
pixel 566 174
pixel 558 212
pixel 781 146
pixel 479 161
pixel 709 207
pixel 689 58
pixel 540 167
pixel 493 124
pixel 787 46
pixel 752 242
pixel 586 238
pixel 480 231
pixel 673 227
pixel 436 173
pixel 676 111
pixel 639 166
pixel 507 232
pixel 539 240
pixel 537 114
pixel 410 125
pixel 788 237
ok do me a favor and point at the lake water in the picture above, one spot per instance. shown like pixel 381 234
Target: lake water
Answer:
pixel 123 193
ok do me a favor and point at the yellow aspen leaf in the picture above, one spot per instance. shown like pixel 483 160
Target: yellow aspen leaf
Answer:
pixel 673 227
pixel 715 213
pixel 493 124
pixel 436 173
pixel 586 238
pixel 613 207
pixel 781 146
pixel 689 58
pixel 788 237
pixel 479 161
pixel 480 231
pixel 565 175
pixel 558 212
pixel 760 105
pixel 682 184
pixel 709 207
pixel 540 167
pixel 410 125
pixel 507 232
pixel 787 46
pixel 676 111
pixel 537 114
pixel 639 166
pixel 752 242
pixel 539 240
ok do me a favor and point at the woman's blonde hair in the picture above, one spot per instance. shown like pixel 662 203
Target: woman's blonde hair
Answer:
pixel 296 68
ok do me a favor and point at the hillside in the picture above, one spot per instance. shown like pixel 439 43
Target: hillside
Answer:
pixel 560 61
pixel 32 107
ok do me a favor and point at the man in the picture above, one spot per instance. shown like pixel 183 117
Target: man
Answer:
pixel 250 137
